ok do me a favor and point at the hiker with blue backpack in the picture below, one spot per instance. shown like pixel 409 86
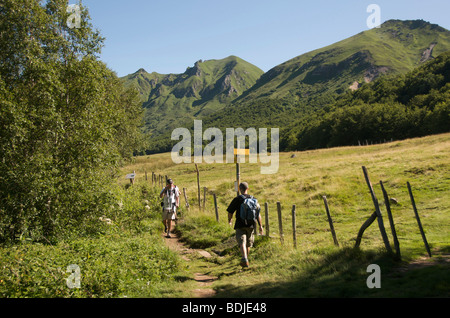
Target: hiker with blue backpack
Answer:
pixel 247 214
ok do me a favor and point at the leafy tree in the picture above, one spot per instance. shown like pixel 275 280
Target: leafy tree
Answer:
pixel 66 122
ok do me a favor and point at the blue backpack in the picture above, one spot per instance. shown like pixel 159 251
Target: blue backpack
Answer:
pixel 249 210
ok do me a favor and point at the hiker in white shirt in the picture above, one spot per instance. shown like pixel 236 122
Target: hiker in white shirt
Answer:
pixel 171 200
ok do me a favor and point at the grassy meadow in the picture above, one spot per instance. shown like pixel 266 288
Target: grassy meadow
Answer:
pixel 130 258
pixel 316 267
pixel 336 173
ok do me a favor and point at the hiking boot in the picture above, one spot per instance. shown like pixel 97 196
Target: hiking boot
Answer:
pixel 168 235
pixel 244 263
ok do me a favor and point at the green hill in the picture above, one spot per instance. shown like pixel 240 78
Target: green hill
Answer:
pixel 221 93
pixel 396 47
pixel 172 99
pixel 396 107
pixel 290 95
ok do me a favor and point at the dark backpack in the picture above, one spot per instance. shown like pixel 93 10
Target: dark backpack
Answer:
pixel 249 210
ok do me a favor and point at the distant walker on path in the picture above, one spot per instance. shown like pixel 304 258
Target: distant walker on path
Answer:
pixel 171 201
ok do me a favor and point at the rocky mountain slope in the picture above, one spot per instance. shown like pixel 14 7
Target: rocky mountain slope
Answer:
pixel 396 47
pixel 208 86
pixel 233 93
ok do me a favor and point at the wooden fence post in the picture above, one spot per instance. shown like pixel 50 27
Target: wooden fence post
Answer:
pixel 294 227
pixel 215 207
pixel 280 222
pixel 330 221
pixel 377 210
pixel 266 209
pixel 365 225
pixel 204 198
pixel 391 221
pixel 132 179
pixel 418 219
pixel 198 185
pixel 185 198
pixel 238 175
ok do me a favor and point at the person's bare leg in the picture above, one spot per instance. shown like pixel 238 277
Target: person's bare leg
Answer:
pixel 169 227
pixel 244 260
pixel 244 251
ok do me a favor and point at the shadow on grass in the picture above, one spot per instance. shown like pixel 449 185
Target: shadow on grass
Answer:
pixel 343 273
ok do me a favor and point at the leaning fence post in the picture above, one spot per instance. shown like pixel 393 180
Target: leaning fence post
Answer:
pixel 294 226
pixel 418 219
pixel 391 221
pixel 280 222
pixel 266 210
pixel 365 225
pixel 378 212
pixel 330 221
pixel 215 207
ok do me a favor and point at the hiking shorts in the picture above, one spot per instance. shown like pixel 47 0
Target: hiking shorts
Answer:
pixel 169 214
pixel 245 236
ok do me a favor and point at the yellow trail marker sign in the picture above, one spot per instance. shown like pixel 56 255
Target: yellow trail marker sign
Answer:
pixel 242 152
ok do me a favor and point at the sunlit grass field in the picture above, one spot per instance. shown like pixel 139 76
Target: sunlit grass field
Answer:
pixel 304 177
pixel 316 267
pixel 130 258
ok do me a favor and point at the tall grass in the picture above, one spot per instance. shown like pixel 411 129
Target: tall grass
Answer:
pixel 336 173
pixel 316 267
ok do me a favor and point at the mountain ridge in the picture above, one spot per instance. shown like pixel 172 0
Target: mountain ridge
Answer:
pixel 207 86
pixel 396 47
pixel 291 90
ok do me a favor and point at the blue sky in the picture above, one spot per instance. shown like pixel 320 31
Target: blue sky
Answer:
pixel 167 36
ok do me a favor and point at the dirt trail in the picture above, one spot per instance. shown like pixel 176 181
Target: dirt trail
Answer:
pixel 424 261
pixel 204 281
